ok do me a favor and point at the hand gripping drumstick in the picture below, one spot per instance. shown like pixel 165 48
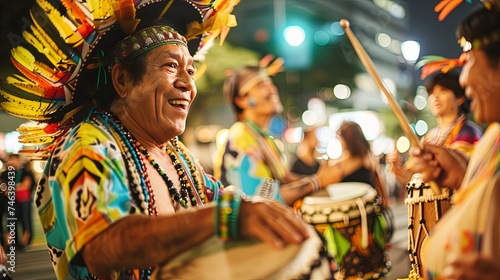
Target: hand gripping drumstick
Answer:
pixel 398 112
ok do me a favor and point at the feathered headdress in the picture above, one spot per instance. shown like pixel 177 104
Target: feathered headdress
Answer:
pixel 70 43
pixel 431 64
pixel 445 7
pixel 268 66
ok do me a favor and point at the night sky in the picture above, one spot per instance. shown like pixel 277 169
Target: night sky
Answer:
pixel 435 37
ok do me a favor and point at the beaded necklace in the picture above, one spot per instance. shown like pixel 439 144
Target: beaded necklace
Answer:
pixel 144 194
pixel 138 177
pixel 193 168
pixel 186 193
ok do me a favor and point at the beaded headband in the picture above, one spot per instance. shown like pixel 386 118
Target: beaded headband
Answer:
pixel 269 66
pixel 479 43
pixel 143 41
pixel 257 78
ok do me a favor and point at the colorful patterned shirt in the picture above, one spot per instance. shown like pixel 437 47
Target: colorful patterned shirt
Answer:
pixel 84 189
pixel 461 137
pixel 251 161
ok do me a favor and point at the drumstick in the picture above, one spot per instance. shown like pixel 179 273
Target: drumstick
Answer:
pixel 393 104
pixel 370 67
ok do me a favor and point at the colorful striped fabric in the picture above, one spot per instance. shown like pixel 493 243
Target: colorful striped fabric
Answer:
pixel 84 189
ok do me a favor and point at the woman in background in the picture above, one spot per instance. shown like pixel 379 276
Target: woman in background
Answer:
pixel 305 162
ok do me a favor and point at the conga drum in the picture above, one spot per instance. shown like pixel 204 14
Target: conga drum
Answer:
pixel 249 260
pixel 424 210
pixel 348 215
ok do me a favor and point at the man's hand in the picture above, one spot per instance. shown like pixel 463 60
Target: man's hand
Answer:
pixel 272 223
pixel 442 165
pixel 471 267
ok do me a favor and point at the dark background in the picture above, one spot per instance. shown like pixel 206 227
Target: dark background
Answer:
pixel 436 38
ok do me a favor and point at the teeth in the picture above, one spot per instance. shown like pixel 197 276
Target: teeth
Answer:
pixel 178 102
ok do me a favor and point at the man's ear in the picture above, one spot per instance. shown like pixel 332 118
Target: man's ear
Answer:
pixel 119 80
pixel 241 101
pixel 460 101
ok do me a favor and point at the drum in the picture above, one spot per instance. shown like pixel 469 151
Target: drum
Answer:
pixel 348 215
pixel 424 210
pixel 249 260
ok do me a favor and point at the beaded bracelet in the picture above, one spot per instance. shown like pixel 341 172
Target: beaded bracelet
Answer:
pixel 226 215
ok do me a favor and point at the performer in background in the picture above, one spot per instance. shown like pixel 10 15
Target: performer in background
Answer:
pixel 250 158
pixel 450 106
pixel 306 161
pixel 24 189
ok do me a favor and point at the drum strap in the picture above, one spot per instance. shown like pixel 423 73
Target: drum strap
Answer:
pixel 364 222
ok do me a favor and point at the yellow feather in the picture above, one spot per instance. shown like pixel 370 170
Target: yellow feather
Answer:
pixel 33 89
pixel 34 133
pixel 33 128
pixel 41 47
pixel 66 28
pixel 25 84
pixel 48 43
pixel 26 59
pixel 35 105
pixel 102 12
pixel 23 112
pixel 37 140
pixel 26 114
pixel 36 28
pixel 24 109
pixel 14 79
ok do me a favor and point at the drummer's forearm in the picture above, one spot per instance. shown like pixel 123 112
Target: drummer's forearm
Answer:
pixel 140 241
pixel 298 189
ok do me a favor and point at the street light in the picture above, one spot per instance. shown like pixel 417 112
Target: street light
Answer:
pixel 410 50
pixel 294 35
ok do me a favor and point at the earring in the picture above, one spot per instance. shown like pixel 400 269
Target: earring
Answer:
pixel 251 102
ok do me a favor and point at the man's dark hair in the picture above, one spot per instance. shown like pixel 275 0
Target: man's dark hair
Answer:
pixel 450 80
pixel 482 24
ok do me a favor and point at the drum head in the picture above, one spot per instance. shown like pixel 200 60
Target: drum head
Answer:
pixel 251 259
pixel 340 192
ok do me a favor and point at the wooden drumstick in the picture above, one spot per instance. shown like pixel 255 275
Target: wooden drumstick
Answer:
pixel 393 104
